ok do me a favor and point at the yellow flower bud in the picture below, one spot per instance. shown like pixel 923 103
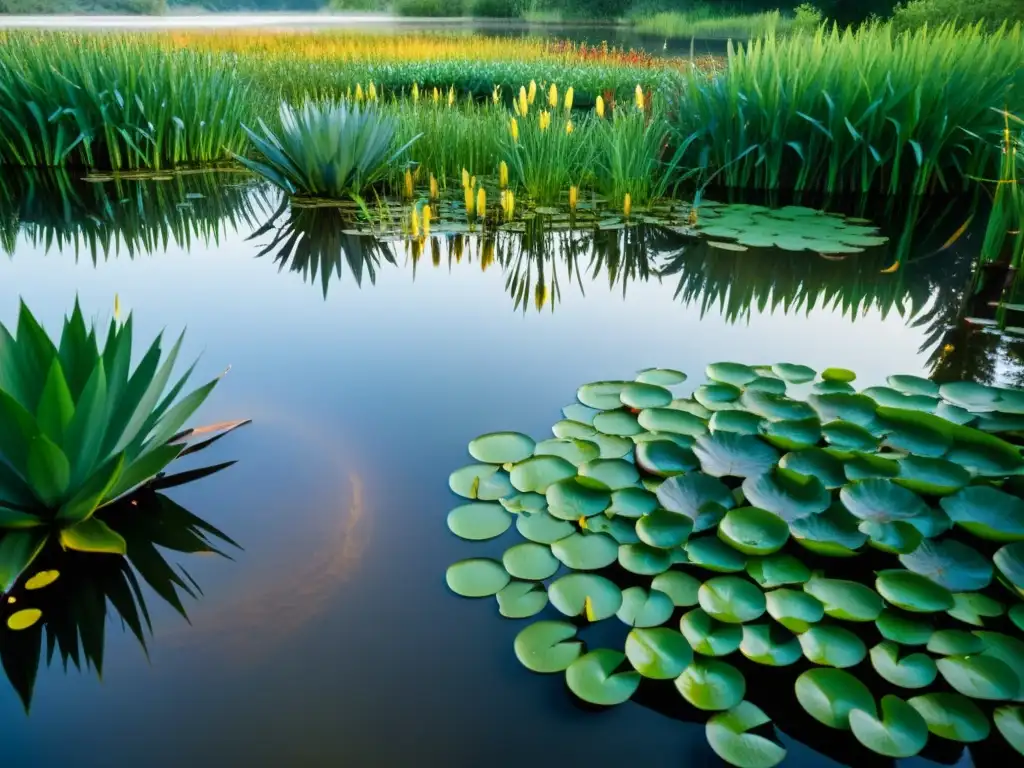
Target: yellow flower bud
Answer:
pixel 508 203
pixel 359 92
pixel 470 201
pixel 415 226
pixel 522 105
pixel 553 96
pixel 372 92
pixel 408 183
pixel 627 205
pixel 599 107
pixel 426 221
pixel 574 196
pixel 503 174
pixel 544 119
pixel 117 306
pixel 515 130
pixel 434 193
pixel 533 91
pixel 569 127
pixel 437 95
pixel 481 202
pixel 415 93
pixel 569 95
pixel 451 96
pixel 465 179
pixel 496 94
pixel 639 98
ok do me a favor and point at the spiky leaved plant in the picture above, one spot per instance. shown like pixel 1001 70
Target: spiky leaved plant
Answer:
pixel 79 429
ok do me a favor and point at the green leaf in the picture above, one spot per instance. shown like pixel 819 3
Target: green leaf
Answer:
pixel 753 531
pixel 664 529
pixel 727 454
pixel 1009 721
pixel 709 637
pixel 521 599
pixel 574 450
pixel 501 448
pixel 952 716
pixel 585 594
pixel 731 599
pixel 936 477
pixel 84 434
pixel 658 653
pixel 980 677
pixel 530 561
pixel 838 374
pixel 55 404
pixel 618 423
pixel 18 549
pixel 548 646
pixel 712 553
pixel 713 685
pixel 796 611
pixel 770 644
pixel 644 560
pixel 643 608
pixel 484 482
pixel 602 395
pixel 176 417
pixel 35 352
pixel 93 535
pixel 987 512
pixel 846 600
pixel 17 429
pixel 542 527
pixel 143 469
pixel 479 521
pixel 593 678
pixel 91 495
pixel 913 592
pixel 901 731
pixel 830 695
pixel 47 470
pixel 679 586
pixel 881 501
pixel 777 570
pixel 730 736
pixel 640 396
pixel 696 495
pixel 832 646
pixel 904 628
pixel 615 474
pixel 586 551
pixel 790 495
pixel 915 670
pixel 476 577
pixel 950 564
pixel 537 473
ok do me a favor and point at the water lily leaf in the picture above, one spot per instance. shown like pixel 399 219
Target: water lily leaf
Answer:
pixel 573 498
pixel 838 374
pixel 707 636
pixel 792 435
pixel 788 494
pixel 586 551
pixel 833 388
pixel 618 423
pixel 770 644
pixel 632 502
pixel 663 377
pixel 974 397
pixel 815 462
pixel 913 592
pixel 585 594
pixel 934 522
pixel 979 677
pixel 622 529
pixel 1008 650
pixel 664 529
pixel 530 561
pixel 537 473
pixel 711 553
pixel 521 600
pixel 830 695
pixel 936 477
pixel 987 512
pixel 524 502
pixel 868 466
pixel 904 628
pixel 611 447
pixel 913 385
pixel 602 395
pixel 673 421
pixel 794 374
pixel 892 398
pixel 777 407
pixel 901 732
pixel 731 599
pixel 1010 562
pixel 569 429
pixel 955 642
pixel 844 408
pixel 485 482
pixel 644 560
pixel 580 413
pixel 683 441
pixel 712 685
pixel 833 533
pixel 576 451
pixel 642 396
pixel 955 414
pixel 921 434
pixel 974 607
pixel 691 494
pixel 915 670
pixel 691 407
pixel 717 396
pixel 983 454
pixel 730 736
pixel 952 716
pixel 796 611
pixel 847 436
pixel 950 564
pixel 881 501
pixel 658 653
pixel 832 646
pixel 680 587
pixel 1009 722
pixel 615 474
pixel 846 600
pixel 479 521
pixel 664 458
pixel 736 374
pixel 644 608
pixel 543 528
pixel 753 531
pixel 777 570
pixel 476 577
pixel 501 448
pixel 740 422
pixel 896 538
pixel 547 646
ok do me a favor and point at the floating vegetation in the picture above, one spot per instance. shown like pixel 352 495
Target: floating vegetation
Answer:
pixel 872 542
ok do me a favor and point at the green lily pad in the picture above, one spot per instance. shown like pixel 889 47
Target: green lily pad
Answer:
pixel 717 396
pixel 580 413
pixel 593 678
pixel 585 594
pixel 641 396
pixel 622 529
pixel 881 501
pixel 521 599
pixel 1010 562
pixel 712 685
pixel 933 523
pixel 777 570
pixel 790 495
pixel 709 637
pixel 691 407
pixel 952 716
pixel 530 561
pixel 892 398
pixel 983 454
pixel 740 422
pixel 843 407
pixel 753 531
pixel 543 528
pixel 735 374
pixel 838 374
pixel 846 600
pixel 683 441
pixel 573 498
pixel 547 646
pixel 765 383
pixel 950 564
pixel 612 447
pixel 673 421
pixel 537 473
pixel 833 533
pixel 847 436
pixel 644 608
pixel 832 646
pixel 501 448
pixel 1009 722
pixel 602 395
pixel 913 592
pixel 586 551
pixel 974 397
pixel 519 503
pixel 830 695
pixel 973 608
pixel 726 454
pixel 796 611
pixel 913 385
pixel 867 466
pixel 644 560
pixel 692 494
pixel 987 512
pixel 476 577
pixel 936 477
pixel 731 599
pixel 616 474
pixel 619 423
pixel 898 537
pixel 711 553
pixel 680 587
pixel 770 644
pixel 658 653
pixel 485 482
pixel 955 642
pixel 815 462
pixel 664 458
pixel 914 670
pixel 792 435
pixel 793 373
pixel 479 521
pixel 979 677
pixel 1010 651
pixel 901 731
pixel 664 529
pixel 777 407
pixel 662 377
pixel 904 628
pixel 833 388
pixel 567 429
pixel 729 734
pixel 1016 614
pixel 576 451
pixel 632 502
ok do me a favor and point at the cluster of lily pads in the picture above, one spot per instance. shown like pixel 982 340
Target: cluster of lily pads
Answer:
pixel 873 540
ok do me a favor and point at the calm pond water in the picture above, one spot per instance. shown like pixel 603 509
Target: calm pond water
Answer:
pixel 331 639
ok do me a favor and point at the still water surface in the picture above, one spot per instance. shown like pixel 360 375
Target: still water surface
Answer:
pixel 332 639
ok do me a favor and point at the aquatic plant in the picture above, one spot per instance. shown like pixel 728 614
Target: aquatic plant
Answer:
pixel 706 22
pixel 632 155
pixel 330 149
pixel 779 515
pixel 79 429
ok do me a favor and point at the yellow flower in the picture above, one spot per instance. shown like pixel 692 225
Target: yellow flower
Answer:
pixel 540 296
pixel 639 98
pixel 515 130
pixel 371 94
pixel 359 92
pixel 470 201
pixel 472 182
pixel 553 96
pixel 569 94
pixel 348 93
pixel 599 107
pixel 544 119
pixel 117 307
pixel 522 105
pixel 574 196
pixel 503 174
pixel 408 183
pixel 415 227
pixel 415 93
pixel 508 203
pixel 627 205
pixel 437 95
pixel 533 91
pixel 465 179
pixel 569 127
pixel 496 94
pixel 481 202
pixel 426 221
pixel 434 195
pixel 451 96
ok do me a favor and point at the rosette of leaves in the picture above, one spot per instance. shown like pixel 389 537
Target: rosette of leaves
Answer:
pixel 79 429
pixel 777 515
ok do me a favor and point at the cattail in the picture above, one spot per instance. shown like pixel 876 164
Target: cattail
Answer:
pixel 599 107
pixel 503 175
pixel 574 196
pixel 569 96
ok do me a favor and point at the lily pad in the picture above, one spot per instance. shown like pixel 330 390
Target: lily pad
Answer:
pixel 833 533
pixel 1009 722
pixel 881 501
pixel 730 736
pixel 530 561
pixel 644 560
pixel 950 564
pixel 622 529
pixel 476 577
pixel 983 454
pixel 868 466
pixel 847 436
pixel 843 407
pixel 1010 562
pixel 973 608
pixel 547 646
pixel 846 600
pixel 830 695
pixel 485 482
pixel 792 435
pixel 579 413
pixel 790 495
pixel 664 529
pixel 796 611
pixel 619 423
pixel 777 570
pixel 753 531
pixel 615 474
pixel 987 512
pixel 740 422
pixel 731 599
pixel 632 502
pixel 537 473
pixel 691 494
pixel 979 677
pixel 901 731
pixel 726 454
pixel 717 396
pixel 570 430
pixel 952 716
pixel 711 553
pixel 679 586
pixel 574 450
pixel 914 670
pixel 936 477
pixel 673 421
pixel 521 599
pixel 904 628
pixel 642 396
pixel 832 646
pixel 712 685
pixel 542 527
pixel 611 447
pixel 955 642
pixel 974 397
pixel 913 592
pixel 662 377
pixel 658 653
pixel 644 608
pixel 709 637
pixel 770 644
pixel 602 395
pixel 586 551
pixel 815 462
pixel 501 448
pixel 913 385
pixel 519 503
pixel 838 374
pixel 573 498
pixel 664 458
pixel 793 373
pixel 593 678
pixel 479 521
pixel 897 537
pixel 585 594
pixel 777 407
pixel 735 374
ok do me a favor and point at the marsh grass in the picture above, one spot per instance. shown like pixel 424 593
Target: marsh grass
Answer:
pixel 708 23
pixel 633 155
pixel 548 152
